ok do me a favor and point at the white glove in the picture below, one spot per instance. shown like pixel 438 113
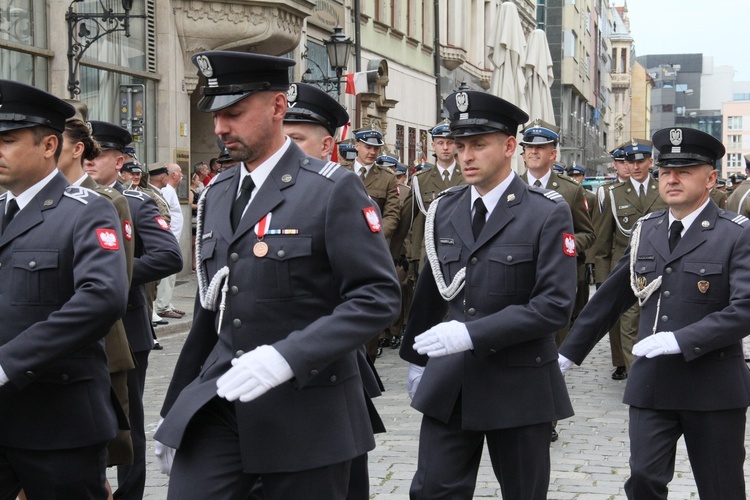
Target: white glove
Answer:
pixel 565 364
pixel 443 339
pixel 3 377
pixel 412 379
pixel 656 345
pixel 164 454
pixel 253 374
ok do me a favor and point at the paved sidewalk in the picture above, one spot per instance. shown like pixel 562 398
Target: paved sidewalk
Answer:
pixel 589 461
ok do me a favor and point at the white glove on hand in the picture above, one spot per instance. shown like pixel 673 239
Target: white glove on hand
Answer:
pixel 565 364
pixel 656 345
pixel 253 374
pixel 443 339
pixel 3 377
pixel 164 454
pixel 412 379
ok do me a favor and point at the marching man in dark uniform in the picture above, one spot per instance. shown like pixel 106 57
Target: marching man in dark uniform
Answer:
pixel 156 254
pixel 63 283
pixel 689 377
pixel 294 275
pixel 502 261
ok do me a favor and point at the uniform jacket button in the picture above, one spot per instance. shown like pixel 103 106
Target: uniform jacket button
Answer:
pixel 281 254
pixel 493 351
pixel 474 260
pixel 314 372
pixel 538 360
pixel 237 323
pixel 234 257
pixel 697 350
pixel 509 258
pixel 32 264
pixel 65 377
pixel 333 378
pixel 30 374
pixel 665 318
pixel 667 294
pixel 239 353
pixel 471 311
pixel 668 270
pixel 234 290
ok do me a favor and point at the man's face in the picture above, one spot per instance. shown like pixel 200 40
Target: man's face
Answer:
pixel 639 168
pixel 22 162
pixel 623 172
pixel 485 159
pixel 309 137
pixel 242 127
pixel 126 176
pixel 539 158
pixel 159 180
pixel 175 175
pixel 366 154
pixel 685 189
pixel 445 150
pixel 103 169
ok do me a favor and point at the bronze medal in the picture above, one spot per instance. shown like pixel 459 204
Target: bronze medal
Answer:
pixel 703 286
pixel 260 249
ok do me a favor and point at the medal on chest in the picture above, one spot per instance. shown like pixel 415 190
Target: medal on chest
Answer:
pixel 260 249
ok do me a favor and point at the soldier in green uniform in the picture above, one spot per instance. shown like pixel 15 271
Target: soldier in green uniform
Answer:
pixel 427 184
pixel 540 152
pixel 578 174
pixel 624 203
pixel 738 200
pixel 380 182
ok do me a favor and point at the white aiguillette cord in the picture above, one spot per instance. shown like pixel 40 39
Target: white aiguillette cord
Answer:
pixel 208 291
pixel 449 292
pixel 648 290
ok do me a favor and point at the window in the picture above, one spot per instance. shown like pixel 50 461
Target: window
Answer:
pixel 24 22
pixel 412 145
pixel 734 160
pixel 541 14
pixel 571 42
pixel 734 123
pixel 400 142
pixel 734 141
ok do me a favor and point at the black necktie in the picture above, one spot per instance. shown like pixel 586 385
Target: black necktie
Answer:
pixel 675 233
pixel 241 202
pixel 480 215
pixel 10 211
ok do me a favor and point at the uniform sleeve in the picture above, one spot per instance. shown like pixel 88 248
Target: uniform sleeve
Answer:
pixel 100 293
pixel 161 256
pixel 428 309
pixel 582 225
pixel 550 301
pixel 604 236
pixel 391 210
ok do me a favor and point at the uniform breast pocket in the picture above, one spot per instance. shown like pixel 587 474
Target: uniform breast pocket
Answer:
pixel 627 215
pixel 511 269
pixel 643 268
pixel 450 260
pixel 703 282
pixel 35 277
pixel 284 271
pixel 208 248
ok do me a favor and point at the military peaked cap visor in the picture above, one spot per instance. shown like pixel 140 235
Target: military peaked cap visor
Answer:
pixel 24 106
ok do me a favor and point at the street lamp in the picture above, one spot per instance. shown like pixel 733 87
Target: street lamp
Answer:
pixel 85 28
pixel 338 48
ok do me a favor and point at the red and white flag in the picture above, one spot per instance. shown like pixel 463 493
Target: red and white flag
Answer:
pixel 356 83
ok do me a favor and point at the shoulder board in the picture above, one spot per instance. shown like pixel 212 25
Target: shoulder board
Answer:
pixel 452 190
pixel 553 195
pixel 568 179
pixel 79 193
pixel 107 191
pixel 131 193
pixel 386 169
pixel 328 170
pixel 423 171
pixel 653 215
pixel 738 219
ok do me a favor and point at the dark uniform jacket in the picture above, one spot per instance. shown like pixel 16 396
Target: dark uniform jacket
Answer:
pixel 706 306
pixel 573 194
pixel 519 291
pixel 316 296
pixel 610 241
pixel 156 255
pixel 63 285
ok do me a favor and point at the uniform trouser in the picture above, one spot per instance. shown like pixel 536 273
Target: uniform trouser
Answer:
pixel 449 460
pixel 64 474
pixel 715 445
pixel 629 333
pixel 164 292
pixel 131 479
pixel 615 345
pixel 208 465
pixel 407 292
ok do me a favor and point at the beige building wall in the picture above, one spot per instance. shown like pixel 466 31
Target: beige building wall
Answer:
pixel 736 136
pixel 640 106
